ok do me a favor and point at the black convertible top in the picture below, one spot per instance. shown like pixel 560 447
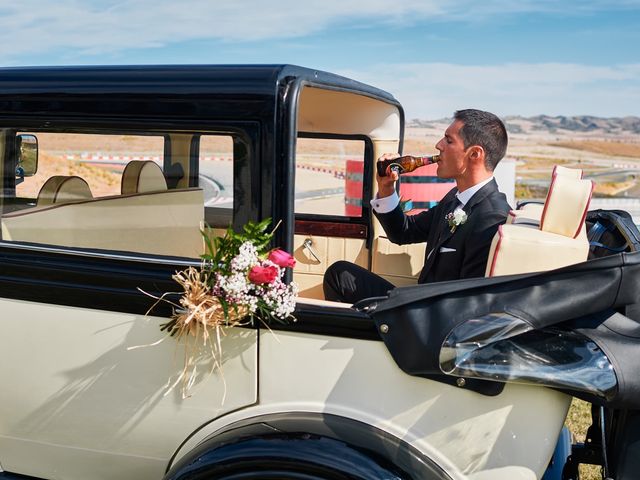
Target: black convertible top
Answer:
pixel 589 297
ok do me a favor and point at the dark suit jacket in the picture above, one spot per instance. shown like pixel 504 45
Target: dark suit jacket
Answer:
pixel 469 243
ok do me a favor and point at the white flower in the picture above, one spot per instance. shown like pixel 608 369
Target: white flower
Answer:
pixel 234 286
pixel 246 258
pixel 459 216
pixel 456 218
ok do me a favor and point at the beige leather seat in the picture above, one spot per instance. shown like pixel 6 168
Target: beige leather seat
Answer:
pixel 148 218
pixel 559 239
pixel 530 213
pixel 559 170
pixel 142 176
pixel 63 189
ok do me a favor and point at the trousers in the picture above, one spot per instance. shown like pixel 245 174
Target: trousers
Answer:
pixel 349 283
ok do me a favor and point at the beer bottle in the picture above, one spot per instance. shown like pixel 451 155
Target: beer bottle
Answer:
pixel 405 164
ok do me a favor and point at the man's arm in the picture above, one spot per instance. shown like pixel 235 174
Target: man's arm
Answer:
pixel 401 228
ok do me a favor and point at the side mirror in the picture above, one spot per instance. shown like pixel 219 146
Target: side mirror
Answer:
pixel 26 156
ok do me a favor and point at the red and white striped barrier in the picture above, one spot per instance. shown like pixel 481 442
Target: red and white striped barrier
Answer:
pixel 101 157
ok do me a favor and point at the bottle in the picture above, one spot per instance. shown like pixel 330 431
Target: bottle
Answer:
pixel 405 164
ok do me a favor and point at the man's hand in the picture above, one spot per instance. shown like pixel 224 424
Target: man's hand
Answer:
pixel 387 185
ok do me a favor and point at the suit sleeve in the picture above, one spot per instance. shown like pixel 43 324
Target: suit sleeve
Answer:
pixel 478 245
pixel 401 228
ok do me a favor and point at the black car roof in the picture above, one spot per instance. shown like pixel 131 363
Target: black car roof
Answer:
pixel 168 91
pixel 212 79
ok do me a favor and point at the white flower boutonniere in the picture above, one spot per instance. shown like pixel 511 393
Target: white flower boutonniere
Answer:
pixel 455 219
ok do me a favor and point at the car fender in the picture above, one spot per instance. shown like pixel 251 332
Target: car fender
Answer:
pixel 305 442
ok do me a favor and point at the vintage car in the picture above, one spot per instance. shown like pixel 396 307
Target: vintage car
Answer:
pixel 108 176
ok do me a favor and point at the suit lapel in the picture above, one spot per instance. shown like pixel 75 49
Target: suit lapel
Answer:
pixel 444 232
pixel 442 228
pixel 477 198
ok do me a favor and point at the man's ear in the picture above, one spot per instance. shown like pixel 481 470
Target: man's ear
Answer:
pixel 476 153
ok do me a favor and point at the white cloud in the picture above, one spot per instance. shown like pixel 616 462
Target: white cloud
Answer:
pixel 39 25
pixel 435 90
pixel 77 31
pixel 98 26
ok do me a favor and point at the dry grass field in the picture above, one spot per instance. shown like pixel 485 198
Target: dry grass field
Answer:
pixel 536 153
pixel 102 181
pixel 612 147
pixel 578 421
pixel 611 160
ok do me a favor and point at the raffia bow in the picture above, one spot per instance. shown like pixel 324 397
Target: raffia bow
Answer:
pixel 199 314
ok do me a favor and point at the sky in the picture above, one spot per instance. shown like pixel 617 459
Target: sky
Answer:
pixel 516 57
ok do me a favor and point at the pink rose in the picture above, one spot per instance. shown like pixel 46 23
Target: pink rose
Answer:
pixel 260 274
pixel 282 258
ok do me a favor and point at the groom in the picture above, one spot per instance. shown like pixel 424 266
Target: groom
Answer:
pixel 458 230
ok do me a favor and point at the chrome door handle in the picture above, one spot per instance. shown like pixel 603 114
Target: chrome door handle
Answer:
pixel 308 245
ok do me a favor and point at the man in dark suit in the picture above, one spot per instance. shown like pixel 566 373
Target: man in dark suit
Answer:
pixel 458 230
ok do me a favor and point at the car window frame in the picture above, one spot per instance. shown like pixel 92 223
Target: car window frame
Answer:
pixel 246 178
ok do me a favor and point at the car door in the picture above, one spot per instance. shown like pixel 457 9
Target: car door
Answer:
pixel 92 387
pixel 331 223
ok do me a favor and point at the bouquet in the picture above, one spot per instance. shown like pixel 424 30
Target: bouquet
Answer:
pixel 240 280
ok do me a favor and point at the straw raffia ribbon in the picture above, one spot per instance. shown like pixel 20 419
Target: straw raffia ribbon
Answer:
pixel 199 315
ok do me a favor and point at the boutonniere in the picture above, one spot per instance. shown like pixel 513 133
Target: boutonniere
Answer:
pixel 455 219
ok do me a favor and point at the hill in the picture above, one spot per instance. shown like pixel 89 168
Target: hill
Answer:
pixel 558 124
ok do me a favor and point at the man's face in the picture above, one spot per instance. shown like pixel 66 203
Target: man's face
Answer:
pixel 453 158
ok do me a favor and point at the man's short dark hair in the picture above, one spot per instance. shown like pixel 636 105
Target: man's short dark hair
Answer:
pixel 484 129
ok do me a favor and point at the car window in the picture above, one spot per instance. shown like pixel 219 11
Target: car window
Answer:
pixel 329 174
pixel 144 192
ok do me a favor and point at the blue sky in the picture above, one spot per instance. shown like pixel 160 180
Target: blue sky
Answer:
pixel 518 57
